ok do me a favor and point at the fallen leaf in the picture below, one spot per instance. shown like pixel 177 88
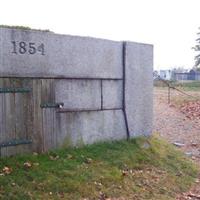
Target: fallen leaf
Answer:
pixel 54 157
pixel 27 165
pixel 124 173
pixel 7 170
pixel 194 195
pixel 88 160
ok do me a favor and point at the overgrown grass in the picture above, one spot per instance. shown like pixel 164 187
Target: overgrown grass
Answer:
pixel 142 168
pixel 22 28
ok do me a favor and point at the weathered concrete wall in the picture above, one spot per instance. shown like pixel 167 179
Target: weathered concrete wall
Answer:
pixel 89 94
pixel 79 94
pixel 112 94
pixel 139 88
pixel 78 128
pixel 106 88
pixel 59 55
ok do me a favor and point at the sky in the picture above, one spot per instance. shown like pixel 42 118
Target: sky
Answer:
pixel 170 25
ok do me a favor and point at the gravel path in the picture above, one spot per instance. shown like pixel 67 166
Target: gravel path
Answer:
pixel 174 126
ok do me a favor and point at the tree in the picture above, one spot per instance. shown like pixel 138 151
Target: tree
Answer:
pixel 197 49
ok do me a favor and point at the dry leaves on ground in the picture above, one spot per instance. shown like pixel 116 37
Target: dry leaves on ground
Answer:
pixel 191 109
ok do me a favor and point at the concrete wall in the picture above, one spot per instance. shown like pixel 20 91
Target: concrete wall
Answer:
pixel 112 91
pixel 63 56
pixel 79 94
pixel 106 86
pixel 78 128
pixel 138 88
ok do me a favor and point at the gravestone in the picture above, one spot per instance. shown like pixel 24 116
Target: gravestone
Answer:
pixel 82 89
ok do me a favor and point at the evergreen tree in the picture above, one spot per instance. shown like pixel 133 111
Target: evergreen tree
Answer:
pixel 197 49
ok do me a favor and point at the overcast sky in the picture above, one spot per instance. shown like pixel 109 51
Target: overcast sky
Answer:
pixel 170 25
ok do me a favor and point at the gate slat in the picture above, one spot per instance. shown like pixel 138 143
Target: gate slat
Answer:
pixel 10 115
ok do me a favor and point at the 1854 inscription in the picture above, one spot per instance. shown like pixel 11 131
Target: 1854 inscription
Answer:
pixel 27 48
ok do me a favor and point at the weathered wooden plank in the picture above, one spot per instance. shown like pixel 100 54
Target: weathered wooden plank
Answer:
pixel 10 116
pixel 45 98
pixel 28 112
pixel 48 96
pixel 53 115
pixel 19 116
pixel 37 117
pixel 46 129
pixel 22 114
pixel 2 113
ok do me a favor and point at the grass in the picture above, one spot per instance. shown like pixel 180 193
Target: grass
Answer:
pixel 188 85
pixel 142 168
pixel 22 28
pixel 185 85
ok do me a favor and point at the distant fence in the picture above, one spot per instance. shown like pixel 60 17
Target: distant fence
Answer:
pixel 187 76
pixel 159 82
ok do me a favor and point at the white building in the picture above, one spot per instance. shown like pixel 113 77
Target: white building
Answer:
pixel 165 74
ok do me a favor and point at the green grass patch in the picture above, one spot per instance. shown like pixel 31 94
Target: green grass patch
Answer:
pixel 22 28
pixel 189 85
pixel 182 85
pixel 142 168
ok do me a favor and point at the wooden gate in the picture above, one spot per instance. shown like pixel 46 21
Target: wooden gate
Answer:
pixel 14 117
pixel 27 115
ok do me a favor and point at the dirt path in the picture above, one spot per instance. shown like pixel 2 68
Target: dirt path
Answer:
pixel 174 126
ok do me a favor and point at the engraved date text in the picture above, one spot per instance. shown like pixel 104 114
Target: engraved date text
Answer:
pixel 30 48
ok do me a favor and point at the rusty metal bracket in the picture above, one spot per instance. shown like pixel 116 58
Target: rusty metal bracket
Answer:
pixel 52 105
pixel 15 90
